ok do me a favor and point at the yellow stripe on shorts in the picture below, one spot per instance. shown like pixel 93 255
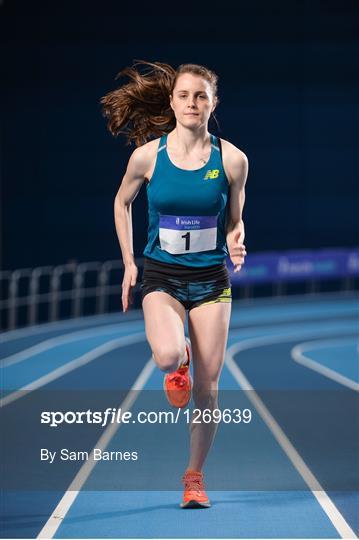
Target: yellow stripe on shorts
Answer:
pixel 224 297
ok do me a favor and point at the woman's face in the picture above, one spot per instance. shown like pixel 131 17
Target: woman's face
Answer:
pixel 192 100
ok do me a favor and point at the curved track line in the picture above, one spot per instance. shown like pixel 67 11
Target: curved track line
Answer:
pixel 298 356
pixel 70 366
pixel 60 340
pixel 322 497
pixel 91 320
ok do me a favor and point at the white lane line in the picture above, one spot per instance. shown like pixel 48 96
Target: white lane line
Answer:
pixel 298 356
pixel 61 340
pixel 77 483
pixel 94 320
pixel 72 337
pixel 322 497
pixel 71 366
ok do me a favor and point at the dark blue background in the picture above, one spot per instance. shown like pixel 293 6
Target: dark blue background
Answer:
pixel 288 85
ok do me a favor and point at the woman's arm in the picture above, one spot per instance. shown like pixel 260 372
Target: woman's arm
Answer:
pixel 132 181
pixel 237 172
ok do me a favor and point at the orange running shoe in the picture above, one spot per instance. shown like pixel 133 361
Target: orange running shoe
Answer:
pixel 178 385
pixel 194 495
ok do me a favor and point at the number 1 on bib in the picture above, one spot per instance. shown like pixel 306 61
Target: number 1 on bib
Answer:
pixel 199 233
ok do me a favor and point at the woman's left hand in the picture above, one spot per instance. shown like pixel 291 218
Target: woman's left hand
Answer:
pixel 236 248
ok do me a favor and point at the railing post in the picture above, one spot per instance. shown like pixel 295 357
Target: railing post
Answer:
pixel 54 293
pixel 101 289
pixel 76 297
pixel 13 290
pixel 14 300
pixel 35 292
pixel 5 275
pixel 80 285
pixel 34 289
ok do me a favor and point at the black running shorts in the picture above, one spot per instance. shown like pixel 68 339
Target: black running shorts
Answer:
pixel 192 287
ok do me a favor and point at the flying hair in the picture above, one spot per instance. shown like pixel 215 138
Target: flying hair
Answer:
pixel 140 108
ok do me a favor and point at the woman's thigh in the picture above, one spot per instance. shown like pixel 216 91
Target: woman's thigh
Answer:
pixel 208 328
pixel 164 323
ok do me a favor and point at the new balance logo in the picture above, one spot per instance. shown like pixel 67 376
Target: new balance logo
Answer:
pixel 212 174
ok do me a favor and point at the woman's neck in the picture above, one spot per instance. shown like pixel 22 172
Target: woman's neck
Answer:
pixel 186 141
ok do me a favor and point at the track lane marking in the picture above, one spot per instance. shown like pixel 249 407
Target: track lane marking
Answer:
pixel 61 340
pixel 336 518
pixel 298 356
pixel 71 366
pixel 77 483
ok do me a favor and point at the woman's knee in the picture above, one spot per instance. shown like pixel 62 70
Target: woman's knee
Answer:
pixel 168 356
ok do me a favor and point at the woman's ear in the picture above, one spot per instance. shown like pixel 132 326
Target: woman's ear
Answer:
pixel 215 103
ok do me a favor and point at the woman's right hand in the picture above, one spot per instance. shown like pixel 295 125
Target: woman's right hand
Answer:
pixel 128 283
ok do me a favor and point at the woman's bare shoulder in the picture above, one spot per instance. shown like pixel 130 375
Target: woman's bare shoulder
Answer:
pixel 143 158
pixel 232 151
pixel 148 148
pixel 235 162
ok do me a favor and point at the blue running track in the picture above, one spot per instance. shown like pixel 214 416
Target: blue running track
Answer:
pixel 287 474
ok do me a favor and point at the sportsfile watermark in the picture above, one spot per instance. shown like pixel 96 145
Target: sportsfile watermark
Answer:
pixel 134 440
pixel 117 416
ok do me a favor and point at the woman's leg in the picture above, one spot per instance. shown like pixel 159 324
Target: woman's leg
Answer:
pixel 164 322
pixel 208 328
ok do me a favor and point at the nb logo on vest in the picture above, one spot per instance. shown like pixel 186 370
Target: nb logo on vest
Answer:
pixel 211 174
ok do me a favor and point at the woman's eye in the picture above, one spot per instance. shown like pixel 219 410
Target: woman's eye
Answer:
pixel 183 96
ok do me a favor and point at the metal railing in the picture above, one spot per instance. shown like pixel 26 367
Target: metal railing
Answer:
pixel 31 296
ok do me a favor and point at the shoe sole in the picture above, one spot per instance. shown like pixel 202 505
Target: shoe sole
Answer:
pixel 190 378
pixel 195 504
pixel 165 391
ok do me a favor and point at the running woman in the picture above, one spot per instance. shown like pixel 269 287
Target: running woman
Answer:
pixel 195 185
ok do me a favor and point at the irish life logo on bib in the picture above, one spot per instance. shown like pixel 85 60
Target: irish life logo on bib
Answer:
pixel 187 234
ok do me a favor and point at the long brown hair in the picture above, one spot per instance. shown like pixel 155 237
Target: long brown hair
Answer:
pixel 141 108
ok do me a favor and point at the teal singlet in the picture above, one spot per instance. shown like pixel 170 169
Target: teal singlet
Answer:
pixel 187 211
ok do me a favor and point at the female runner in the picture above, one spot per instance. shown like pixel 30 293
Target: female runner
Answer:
pixel 195 185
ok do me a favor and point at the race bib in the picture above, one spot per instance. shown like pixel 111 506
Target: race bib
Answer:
pixel 187 234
